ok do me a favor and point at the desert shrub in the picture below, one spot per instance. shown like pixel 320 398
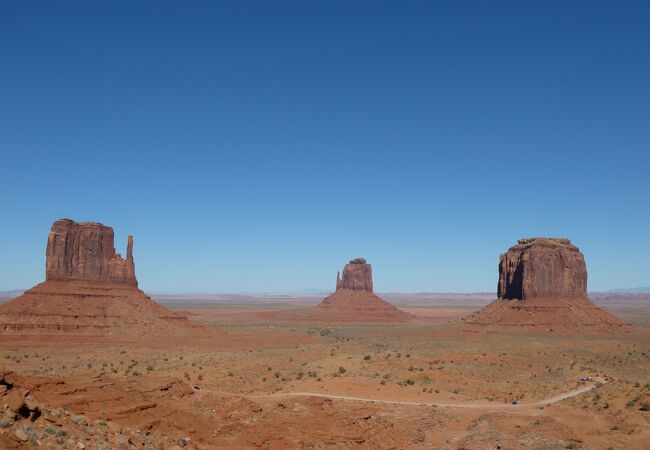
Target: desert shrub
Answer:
pixel 230 374
pixel 645 406
pixel 410 382
pixel 342 370
pixel 366 358
pixel 149 367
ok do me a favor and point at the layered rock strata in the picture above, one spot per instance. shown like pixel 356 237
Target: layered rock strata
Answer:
pixel 85 251
pixel 357 275
pixel 542 268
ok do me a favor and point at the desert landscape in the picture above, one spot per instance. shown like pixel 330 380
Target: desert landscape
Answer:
pixel 89 361
pixel 324 225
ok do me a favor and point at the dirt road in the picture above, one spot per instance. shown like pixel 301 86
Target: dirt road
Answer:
pixel 490 405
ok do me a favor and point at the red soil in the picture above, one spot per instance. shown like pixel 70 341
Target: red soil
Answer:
pixel 119 311
pixel 544 315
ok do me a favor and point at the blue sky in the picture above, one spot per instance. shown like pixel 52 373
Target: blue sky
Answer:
pixel 258 146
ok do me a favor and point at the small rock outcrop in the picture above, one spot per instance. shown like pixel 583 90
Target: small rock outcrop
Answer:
pixel 85 251
pixel 542 287
pixel 543 268
pixel 357 275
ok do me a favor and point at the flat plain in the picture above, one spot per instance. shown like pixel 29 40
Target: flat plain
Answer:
pixel 267 378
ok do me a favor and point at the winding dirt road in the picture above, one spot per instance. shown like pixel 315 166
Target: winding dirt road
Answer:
pixel 490 405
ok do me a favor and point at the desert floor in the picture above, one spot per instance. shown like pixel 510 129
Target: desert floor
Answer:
pixel 266 379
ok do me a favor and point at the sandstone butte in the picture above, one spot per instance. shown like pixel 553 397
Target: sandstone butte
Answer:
pixel 89 290
pixel 354 300
pixel 542 287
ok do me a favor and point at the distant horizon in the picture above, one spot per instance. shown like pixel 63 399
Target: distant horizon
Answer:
pixel 315 292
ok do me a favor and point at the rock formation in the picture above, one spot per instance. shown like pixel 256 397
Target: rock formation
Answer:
pixel 542 287
pixel 542 267
pixel 84 251
pixel 89 291
pixel 357 275
pixel 354 300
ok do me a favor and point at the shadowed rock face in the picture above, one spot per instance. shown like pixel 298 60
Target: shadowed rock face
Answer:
pixel 357 275
pixel 542 268
pixel 85 251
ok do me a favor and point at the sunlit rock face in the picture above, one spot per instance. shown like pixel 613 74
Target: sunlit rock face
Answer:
pixel 542 268
pixel 357 275
pixel 85 251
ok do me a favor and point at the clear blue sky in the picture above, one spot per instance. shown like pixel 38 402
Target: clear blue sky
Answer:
pixel 258 146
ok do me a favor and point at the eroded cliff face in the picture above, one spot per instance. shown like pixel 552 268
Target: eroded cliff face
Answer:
pixel 357 275
pixel 542 268
pixel 543 288
pixel 89 291
pixel 85 251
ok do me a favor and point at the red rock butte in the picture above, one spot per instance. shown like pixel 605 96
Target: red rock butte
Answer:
pixel 354 300
pixel 84 251
pixel 542 287
pixel 89 291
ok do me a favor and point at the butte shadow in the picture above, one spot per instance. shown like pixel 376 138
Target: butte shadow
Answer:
pixel 89 291
pixel 543 287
